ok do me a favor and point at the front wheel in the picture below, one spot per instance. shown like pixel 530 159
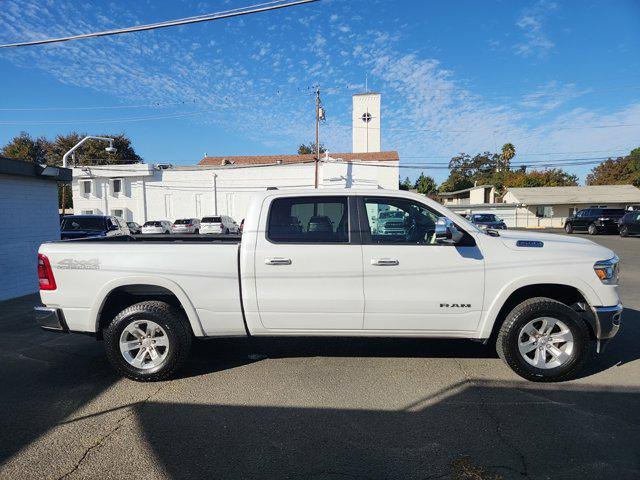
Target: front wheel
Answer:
pixel 568 228
pixel 593 230
pixel 543 340
pixel 226 232
pixel 148 341
pixel 624 231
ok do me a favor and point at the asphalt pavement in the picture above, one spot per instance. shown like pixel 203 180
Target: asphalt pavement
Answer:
pixel 318 408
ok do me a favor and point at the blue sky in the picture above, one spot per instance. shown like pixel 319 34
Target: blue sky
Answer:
pixel 557 79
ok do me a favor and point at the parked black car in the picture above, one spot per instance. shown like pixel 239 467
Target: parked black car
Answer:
pixel 80 226
pixel 487 220
pixel 630 224
pixel 134 228
pixel 595 220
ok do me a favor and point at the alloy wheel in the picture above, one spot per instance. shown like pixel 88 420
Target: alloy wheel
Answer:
pixel 546 343
pixel 144 344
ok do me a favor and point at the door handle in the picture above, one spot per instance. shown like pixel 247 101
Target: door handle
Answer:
pixel 277 261
pixel 385 262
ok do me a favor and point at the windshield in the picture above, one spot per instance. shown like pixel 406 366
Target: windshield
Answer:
pixel 183 221
pixel 152 224
pixel 394 214
pixel 211 220
pixel 93 224
pixel 485 217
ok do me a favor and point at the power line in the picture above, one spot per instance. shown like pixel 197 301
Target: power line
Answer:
pixel 257 8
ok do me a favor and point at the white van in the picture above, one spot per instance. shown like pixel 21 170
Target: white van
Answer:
pixel 219 224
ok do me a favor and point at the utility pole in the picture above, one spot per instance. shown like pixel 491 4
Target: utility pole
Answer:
pixel 317 135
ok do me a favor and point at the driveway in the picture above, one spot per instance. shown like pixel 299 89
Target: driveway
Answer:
pixel 318 408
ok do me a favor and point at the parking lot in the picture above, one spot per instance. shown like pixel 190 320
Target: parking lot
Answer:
pixel 318 408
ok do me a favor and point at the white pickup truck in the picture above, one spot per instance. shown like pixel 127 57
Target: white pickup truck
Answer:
pixel 313 263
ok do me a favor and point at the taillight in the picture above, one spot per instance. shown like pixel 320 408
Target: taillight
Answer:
pixel 45 274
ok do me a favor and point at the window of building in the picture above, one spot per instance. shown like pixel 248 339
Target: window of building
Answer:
pixel 544 211
pixel 400 221
pixel 309 220
pixel 116 186
pixel 118 212
pixel 85 187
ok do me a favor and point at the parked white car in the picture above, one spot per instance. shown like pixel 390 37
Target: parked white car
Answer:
pixel 219 224
pixel 543 301
pixel 186 225
pixel 156 227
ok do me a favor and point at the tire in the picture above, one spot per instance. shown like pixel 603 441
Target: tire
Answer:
pixel 226 232
pixel 568 228
pixel 624 231
pixel 592 229
pixel 175 333
pixel 512 335
pixel 196 231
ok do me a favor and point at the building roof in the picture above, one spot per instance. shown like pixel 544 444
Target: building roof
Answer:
pixel 23 168
pixel 464 190
pixel 576 195
pixel 391 156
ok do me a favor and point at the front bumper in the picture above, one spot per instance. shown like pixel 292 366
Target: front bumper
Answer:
pixel 607 323
pixel 51 319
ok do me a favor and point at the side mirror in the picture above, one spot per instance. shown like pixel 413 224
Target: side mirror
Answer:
pixel 447 232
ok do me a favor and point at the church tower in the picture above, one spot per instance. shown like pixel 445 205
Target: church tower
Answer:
pixel 366 122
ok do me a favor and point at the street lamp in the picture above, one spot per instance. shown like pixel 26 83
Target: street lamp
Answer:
pixel 109 149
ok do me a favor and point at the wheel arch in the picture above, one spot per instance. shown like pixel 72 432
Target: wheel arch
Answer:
pixel 577 296
pixel 118 294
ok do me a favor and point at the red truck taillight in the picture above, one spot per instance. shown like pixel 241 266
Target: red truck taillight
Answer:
pixel 45 274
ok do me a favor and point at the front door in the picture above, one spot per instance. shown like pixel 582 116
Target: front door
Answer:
pixel 309 268
pixel 412 283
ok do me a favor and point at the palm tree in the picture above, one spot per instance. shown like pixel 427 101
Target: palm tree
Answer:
pixel 508 152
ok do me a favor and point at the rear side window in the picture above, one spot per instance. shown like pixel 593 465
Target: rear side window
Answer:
pixel 309 220
pixel 211 220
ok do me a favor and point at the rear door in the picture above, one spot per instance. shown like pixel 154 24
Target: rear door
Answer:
pixel 412 283
pixel 308 265
pixel 580 221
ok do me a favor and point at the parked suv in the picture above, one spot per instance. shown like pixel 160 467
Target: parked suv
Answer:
pixel 156 226
pixel 219 224
pixel 630 224
pixel 80 226
pixel 134 228
pixel 595 220
pixel 186 225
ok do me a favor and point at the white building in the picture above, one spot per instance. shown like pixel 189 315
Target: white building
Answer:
pixel 28 217
pixel 224 185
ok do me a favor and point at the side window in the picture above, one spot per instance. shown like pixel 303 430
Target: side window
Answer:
pixel 399 220
pixel 309 220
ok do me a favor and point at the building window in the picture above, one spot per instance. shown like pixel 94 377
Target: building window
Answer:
pixel 85 187
pixel 118 212
pixel 544 211
pixel 116 186
pixel 309 220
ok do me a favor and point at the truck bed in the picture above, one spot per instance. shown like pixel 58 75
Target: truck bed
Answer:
pixel 160 238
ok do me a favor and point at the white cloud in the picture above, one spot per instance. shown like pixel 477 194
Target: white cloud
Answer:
pixel 536 40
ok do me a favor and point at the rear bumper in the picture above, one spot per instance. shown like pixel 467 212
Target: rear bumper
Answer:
pixel 51 319
pixel 608 320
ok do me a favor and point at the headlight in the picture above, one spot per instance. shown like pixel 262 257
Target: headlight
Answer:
pixel 607 270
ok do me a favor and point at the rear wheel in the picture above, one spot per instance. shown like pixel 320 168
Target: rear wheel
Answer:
pixel 226 232
pixel 544 340
pixel 568 228
pixel 624 231
pixel 593 230
pixel 148 341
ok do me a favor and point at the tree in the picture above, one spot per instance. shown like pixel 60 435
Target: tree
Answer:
pixel 406 184
pixel 622 170
pixel 24 147
pixel 426 185
pixel 311 148
pixel 508 152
